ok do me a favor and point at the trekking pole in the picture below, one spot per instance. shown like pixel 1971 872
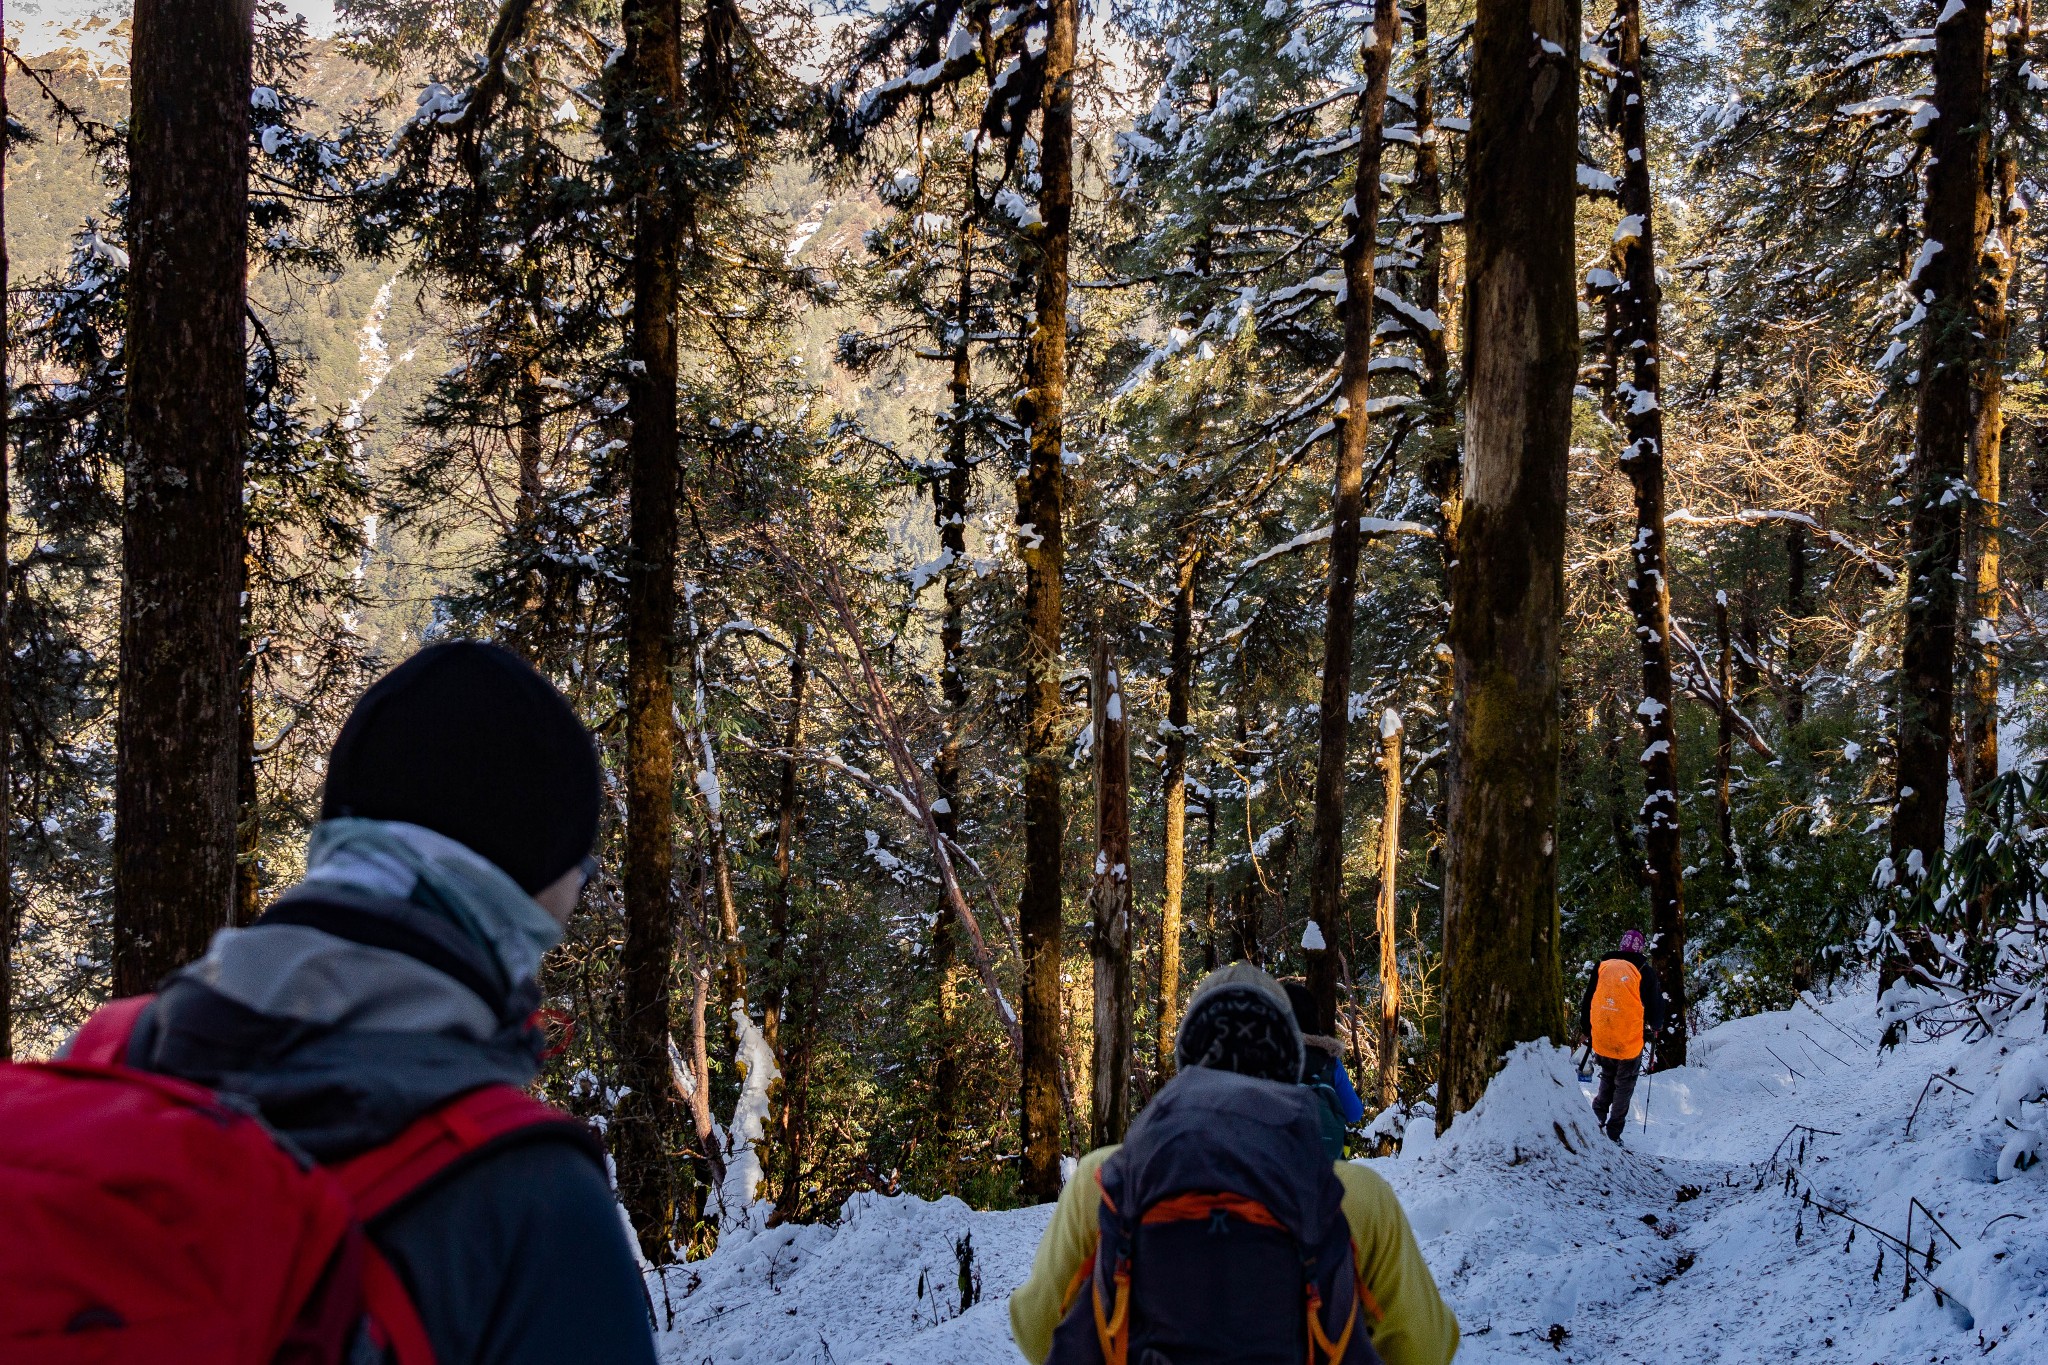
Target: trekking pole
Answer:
pixel 1649 1083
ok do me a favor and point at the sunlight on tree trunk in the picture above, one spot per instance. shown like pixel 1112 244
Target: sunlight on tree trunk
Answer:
pixel 1041 545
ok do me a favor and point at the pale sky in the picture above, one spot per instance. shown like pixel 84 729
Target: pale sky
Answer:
pixel 37 24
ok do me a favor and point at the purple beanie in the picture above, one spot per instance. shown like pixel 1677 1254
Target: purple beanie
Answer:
pixel 1632 941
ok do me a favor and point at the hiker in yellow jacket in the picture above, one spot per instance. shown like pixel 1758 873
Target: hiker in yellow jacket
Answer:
pixel 1408 1321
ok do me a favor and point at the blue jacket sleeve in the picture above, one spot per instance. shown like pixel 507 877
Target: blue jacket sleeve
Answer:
pixel 522 1260
pixel 1348 1103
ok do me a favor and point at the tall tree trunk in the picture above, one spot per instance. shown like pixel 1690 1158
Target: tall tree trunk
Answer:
pixel 1724 747
pixel 529 409
pixel 798 1064
pixel 1628 854
pixel 1040 514
pixel 1425 209
pixel 1326 906
pixel 1979 753
pixel 708 792
pixel 1797 608
pixel 249 820
pixel 645 1130
pixel 1389 1056
pixel 1502 982
pixel 1638 302
pixel 781 904
pixel 1173 782
pixel 1957 213
pixel 7 915
pixel 949 512
pixel 1209 954
pixel 181 525
pixel 1109 897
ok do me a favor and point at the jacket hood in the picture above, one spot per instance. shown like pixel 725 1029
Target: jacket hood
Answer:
pixel 342 1019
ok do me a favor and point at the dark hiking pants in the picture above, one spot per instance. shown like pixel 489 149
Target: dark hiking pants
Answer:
pixel 1617 1086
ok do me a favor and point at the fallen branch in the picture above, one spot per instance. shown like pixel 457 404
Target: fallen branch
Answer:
pixel 1698 682
pixel 1756 516
pixel 910 790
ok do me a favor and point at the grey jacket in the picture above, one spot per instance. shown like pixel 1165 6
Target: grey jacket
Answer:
pixel 344 1018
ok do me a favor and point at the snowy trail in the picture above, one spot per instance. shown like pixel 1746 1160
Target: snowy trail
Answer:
pixel 1689 1243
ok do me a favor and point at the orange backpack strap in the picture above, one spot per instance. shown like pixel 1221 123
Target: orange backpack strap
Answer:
pixel 384 1177
pixel 103 1039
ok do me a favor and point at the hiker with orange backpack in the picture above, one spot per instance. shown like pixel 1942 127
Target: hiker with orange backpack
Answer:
pixel 314 1145
pixel 1622 1009
pixel 1219 1231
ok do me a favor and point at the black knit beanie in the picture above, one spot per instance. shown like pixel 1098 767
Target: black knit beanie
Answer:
pixel 466 740
pixel 1243 1027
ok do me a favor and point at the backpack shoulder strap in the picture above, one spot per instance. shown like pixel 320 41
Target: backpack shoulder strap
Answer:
pixel 103 1039
pixel 384 1177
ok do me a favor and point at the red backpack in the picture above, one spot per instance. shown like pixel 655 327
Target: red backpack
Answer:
pixel 151 1219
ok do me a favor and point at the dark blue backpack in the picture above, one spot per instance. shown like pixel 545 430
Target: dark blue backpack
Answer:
pixel 1222 1238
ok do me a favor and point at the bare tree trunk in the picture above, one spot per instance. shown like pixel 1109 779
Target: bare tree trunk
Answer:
pixel 1173 781
pixel 1797 608
pixel 529 409
pixel 1389 1056
pixel 1040 514
pixel 1638 302
pixel 1502 983
pixel 1109 896
pixel 1326 908
pixel 798 1064
pixel 1208 885
pixel 1426 206
pixel 1724 748
pixel 1979 754
pixel 181 529
pixel 949 511
pixel 649 86
pixel 1628 854
pixel 249 820
pixel 709 795
pixel 1957 213
pixel 7 913
pixel 781 906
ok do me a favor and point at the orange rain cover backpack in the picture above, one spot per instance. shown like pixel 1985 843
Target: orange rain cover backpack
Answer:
pixel 1618 1010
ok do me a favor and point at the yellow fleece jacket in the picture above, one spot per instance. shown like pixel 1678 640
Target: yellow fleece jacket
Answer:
pixel 1417 1327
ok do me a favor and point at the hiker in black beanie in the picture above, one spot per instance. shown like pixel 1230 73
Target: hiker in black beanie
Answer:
pixel 460 812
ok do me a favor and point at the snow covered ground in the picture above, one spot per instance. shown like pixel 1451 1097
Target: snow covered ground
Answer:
pixel 1705 1239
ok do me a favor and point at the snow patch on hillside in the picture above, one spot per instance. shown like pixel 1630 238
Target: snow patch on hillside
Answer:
pixel 1742 1221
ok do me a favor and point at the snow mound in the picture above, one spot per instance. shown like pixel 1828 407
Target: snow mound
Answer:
pixel 1532 1110
pixel 880 1285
